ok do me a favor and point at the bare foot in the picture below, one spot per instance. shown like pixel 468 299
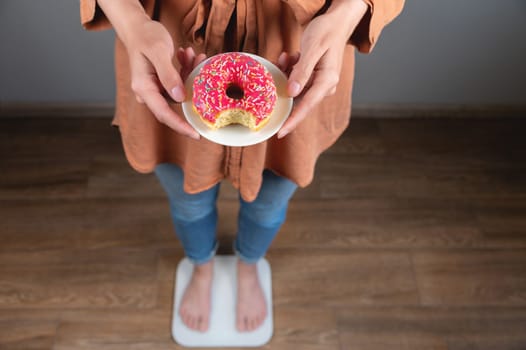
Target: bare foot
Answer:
pixel 195 305
pixel 251 305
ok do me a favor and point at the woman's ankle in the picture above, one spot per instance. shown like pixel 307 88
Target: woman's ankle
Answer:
pixel 205 269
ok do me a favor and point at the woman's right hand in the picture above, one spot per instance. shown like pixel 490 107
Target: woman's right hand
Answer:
pixel 151 51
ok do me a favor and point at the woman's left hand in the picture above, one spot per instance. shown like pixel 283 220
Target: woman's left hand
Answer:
pixel 317 71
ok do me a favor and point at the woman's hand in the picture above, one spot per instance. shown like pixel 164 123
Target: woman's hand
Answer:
pixel 151 51
pixel 317 71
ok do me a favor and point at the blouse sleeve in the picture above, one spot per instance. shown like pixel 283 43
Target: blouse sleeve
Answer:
pixel 304 11
pixel 92 17
pixel 381 12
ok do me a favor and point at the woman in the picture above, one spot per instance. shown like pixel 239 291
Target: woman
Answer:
pixel 313 41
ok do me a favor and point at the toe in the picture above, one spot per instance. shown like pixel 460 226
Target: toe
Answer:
pixel 188 321
pixel 242 326
pixel 194 323
pixel 263 316
pixel 205 324
pixel 201 325
pixel 239 324
pixel 185 320
pixel 191 322
pixel 197 323
pixel 251 325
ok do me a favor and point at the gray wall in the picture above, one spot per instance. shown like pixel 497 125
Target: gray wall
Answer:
pixel 449 52
pixel 437 52
pixel 46 56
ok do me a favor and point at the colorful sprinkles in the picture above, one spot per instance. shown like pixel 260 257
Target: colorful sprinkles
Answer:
pixel 223 70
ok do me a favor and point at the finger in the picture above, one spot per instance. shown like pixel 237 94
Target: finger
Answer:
pixel 183 60
pixel 188 61
pixel 293 59
pixel 168 75
pixel 190 55
pixel 166 115
pixel 180 56
pixel 198 59
pixel 303 69
pixel 283 60
pixel 319 89
pixel 287 61
pixel 185 57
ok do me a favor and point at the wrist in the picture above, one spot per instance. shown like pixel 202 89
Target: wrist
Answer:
pixel 348 13
pixel 125 17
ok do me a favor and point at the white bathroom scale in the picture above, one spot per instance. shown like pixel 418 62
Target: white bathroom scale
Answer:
pixel 222 329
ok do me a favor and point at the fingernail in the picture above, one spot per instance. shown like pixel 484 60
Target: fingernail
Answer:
pixel 281 60
pixel 294 88
pixel 282 133
pixel 178 94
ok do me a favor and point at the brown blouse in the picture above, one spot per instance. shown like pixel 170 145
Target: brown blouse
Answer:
pixel 264 27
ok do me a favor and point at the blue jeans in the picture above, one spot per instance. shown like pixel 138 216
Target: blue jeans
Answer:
pixel 195 215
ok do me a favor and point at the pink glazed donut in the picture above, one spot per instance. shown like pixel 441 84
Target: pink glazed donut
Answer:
pixel 234 88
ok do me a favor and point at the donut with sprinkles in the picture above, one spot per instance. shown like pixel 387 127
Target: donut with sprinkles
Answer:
pixel 234 88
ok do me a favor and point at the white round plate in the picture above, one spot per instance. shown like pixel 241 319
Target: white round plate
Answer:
pixel 235 134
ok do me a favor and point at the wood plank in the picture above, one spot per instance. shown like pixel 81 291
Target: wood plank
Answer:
pixel 502 222
pixel 342 278
pixel 378 341
pixel 375 176
pixel 112 177
pixel 57 137
pixel 435 158
pixel 482 278
pixel 500 139
pixel 27 335
pixel 78 278
pixel 385 223
pixel 437 328
pixel 116 330
pixel 88 224
pixel 310 328
pixel 43 177
pixel 166 269
pixel 361 137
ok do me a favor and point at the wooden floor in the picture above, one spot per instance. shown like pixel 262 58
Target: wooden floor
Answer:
pixel 413 236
